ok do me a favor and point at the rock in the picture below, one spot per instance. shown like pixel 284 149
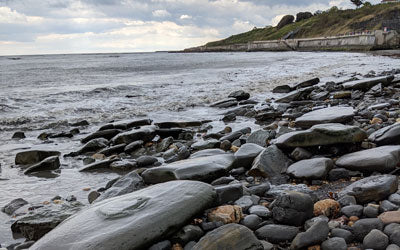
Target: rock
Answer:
pixel 163 245
pixel 126 184
pixel 326 115
pixel 204 169
pixel 51 163
pixel 226 145
pixel 259 189
pixel 314 169
pixel 389 135
pixel 284 89
pixel 260 211
pixel 128 221
pixel 113 150
pixel 236 134
pixel 299 154
pixel 251 221
pixel 33 156
pixel 245 202
pixel 323 134
pixel 18 135
pixel 229 193
pixel 347 200
pixel 13 206
pixel 353 210
pixel 371 211
pixel 43 219
pixel 131 147
pixel 146 161
pixel 93 196
pixel 338 173
pixel 390 217
pixel 306 84
pixel 226 103
pixel 79 123
pixel 226 214
pixel 334 243
pixel 276 191
pixel 106 134
pixel 180 124
pixel 201 145
pixel 366 84
pixel 292 208
pixel 376 240
pixel 97 165
pixel 145 133
pixel 393 247
pixel 295 95
pixel 288 19
pixel 207 152
pixel 381 159
pixel 93 146
pixel 239 95
pixel 313 236
pixel 395 199
pixel 270 162
pixel 362 227
pixel 387 206
pixel 245 156
pixel 123 165
pixel 277 233
pixel 329 208
pixel 267 245
pixel 261 137
pixel 188 233
pixel 342 233
pixel 228 236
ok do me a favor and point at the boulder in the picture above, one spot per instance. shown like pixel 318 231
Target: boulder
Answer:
pixel 270 162
pixel 366 84
pixel 204 169
pixel 277 233
pixel 131 221
pixel 373 188
pixel 124 185
pixel 316 234
pixel 325 115
pixel 288 19
pixel 315 169
pixel 33 156
pixel 245 156
pixel 146 133
pixel 292 208
pixel 261 137
pixel 386 136
pixel 382 159
pixel 50 163
pixel 231 236
pixel 320 135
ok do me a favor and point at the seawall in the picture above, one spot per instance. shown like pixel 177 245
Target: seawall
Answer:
pixel 371 41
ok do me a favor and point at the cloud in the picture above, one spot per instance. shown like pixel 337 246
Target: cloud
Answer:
pixel 161 13
pixel 183 17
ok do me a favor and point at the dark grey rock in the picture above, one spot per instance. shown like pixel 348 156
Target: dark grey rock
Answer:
pixel 146 160
pixel 188 233
pixel 276 191
pixel 208 152
pixel 123 165
pixel 393 247
pixel 387 206
pixel 251 221
pixel 374 188
pixel 395 237
pixel 203 169
pixel 362 227
pixel 129 221
pixel 284 89
pixel 309 223
pixel 395 199
pixel 295 95
pixel 93 146
pixel 261 211
pixel 259 189
pixel 261 137
pixel 223 238
pixel 13 206
pixel 316 168
pixel 338 173
pixel 326 115
pixel 352 210
pixel 347 200
pixel 106 134
pixel 299 154
pixel 313 236
pixel 366 84
pixel 334 243
pixel 124 125
pixel 163 245
pixel 371 211
pixel 246 155
pixel 323 134
pixel 33 156
pixel 342 233
pixel 97 165
pixel 117 149
pixel 50 163
pixel 292 208
pixel 277 233
pixel 236 134
pixel 381 159
pixel 133 146
pixel 229 193
pixel 244 202
pixel 267 245
pixel 18 135
pixel 223 180
pixel 93 196
pixel 239 95
pixel 270 162
pixel 226 103
pixel 391 228
pixel 146 133
pixel 201 145
pixel 226 145
pixel 376 240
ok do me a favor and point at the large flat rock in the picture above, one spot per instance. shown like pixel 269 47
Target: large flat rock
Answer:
pixel 322 134
pixel 381 159
pixel 33 156
pixel 374 188
pixel 204 169
pixel 366 84
pixel 145 133
pixel 387 136
pixel 316 168
pixel 131 221
pixel 325 115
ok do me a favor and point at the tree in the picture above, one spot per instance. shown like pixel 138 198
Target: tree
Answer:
pixel 357 3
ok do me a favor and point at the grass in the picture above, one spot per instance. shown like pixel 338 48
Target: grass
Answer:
pixel 329 23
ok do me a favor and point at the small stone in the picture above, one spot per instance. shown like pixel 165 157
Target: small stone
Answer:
pixel 244 202
pixel 390 217
pixel 226 214
pixel 13 206
pixel 163 245
pixel 299 154
pixel 226 145
pixel 387 206
pixel 314 235
pixel 334 243
pixel 376 240
pixel 19 135
pixel 93 196
pixel 293 208
pixel 329 208
pixel 362 227
pixel 260 211
pixel 371 211
pixel 342 233
pixel 352 210
pixel 251 221
pixel 277 233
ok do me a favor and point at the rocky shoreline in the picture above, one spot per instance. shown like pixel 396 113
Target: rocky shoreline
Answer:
pixel 322 173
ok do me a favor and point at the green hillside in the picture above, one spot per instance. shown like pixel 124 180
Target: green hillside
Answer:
pixel 329 23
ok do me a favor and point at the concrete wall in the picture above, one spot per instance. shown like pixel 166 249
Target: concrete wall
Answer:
pixel 376 40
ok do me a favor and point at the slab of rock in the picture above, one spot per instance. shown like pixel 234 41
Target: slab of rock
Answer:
pixel 326 115
pixel 245 156
pixel 277 233
pixel 127 124
pixel 323 134
pixel 239 95
pixel 231 236
pixel 382 159
pixel 270 162
pixel 129 221
pixel 314 169
pixel 106 134
pixel 204 169
pixel 373 188
pixel 179 124
pixel 295 95
pixel 33 156
pixel 208 144
pixel 261 137
pixel 13 206
pixel 93 145
pixel 50 163
pixel 386 136
pixel 146 133
pixel 226 214
pixel 97 165
pixel 316 234
pixel 292 208
pixel 208 152
pixel 366 84
pixel 226 103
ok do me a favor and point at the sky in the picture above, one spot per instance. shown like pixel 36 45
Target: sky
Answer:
pixel 102 26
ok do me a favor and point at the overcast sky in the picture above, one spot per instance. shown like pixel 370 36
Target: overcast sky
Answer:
pixel 91 26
